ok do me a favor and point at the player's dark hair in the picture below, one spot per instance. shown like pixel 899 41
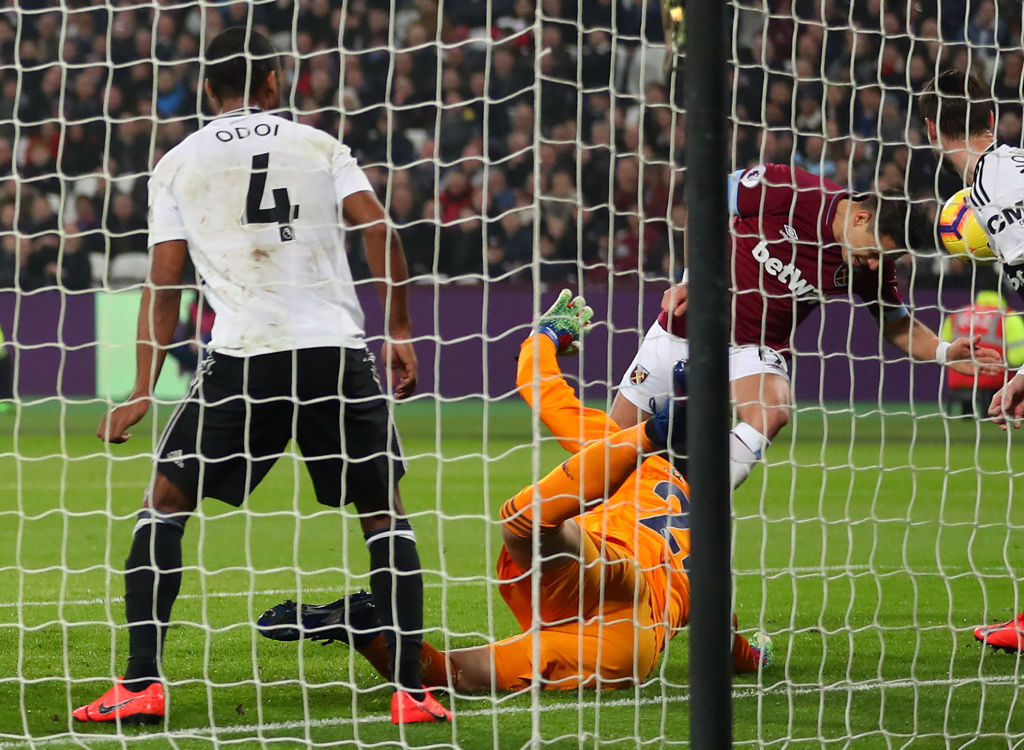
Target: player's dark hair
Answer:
pixel 958 103
pixel 238 61
pixel 896 217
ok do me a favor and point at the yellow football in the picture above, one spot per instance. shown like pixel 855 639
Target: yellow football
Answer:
pixel 962 234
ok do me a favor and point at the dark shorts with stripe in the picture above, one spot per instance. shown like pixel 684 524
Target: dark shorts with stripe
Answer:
pixel 241 412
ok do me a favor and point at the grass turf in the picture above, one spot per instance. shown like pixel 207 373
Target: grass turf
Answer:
pixel 868 548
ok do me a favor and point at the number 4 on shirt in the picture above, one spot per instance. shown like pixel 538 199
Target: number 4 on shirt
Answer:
pixel 283 213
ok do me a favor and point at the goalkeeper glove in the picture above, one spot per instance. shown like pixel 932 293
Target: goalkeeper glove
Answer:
pixel 565 321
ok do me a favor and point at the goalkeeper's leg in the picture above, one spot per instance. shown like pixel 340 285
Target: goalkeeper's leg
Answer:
pixel 466 669
pixel 614 648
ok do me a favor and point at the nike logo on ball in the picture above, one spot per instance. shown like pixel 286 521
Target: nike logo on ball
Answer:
pixel 105 709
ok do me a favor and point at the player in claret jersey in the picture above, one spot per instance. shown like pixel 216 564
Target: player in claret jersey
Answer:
pixel 613 521
pixel 796 239
pixel 961 122
pixel 257 202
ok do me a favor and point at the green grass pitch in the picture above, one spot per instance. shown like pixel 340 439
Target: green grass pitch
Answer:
pixel 868 547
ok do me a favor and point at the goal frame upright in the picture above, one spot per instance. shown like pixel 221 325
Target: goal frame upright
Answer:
pixel 708 377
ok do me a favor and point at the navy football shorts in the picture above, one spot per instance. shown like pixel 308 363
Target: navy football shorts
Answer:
pixel 241 412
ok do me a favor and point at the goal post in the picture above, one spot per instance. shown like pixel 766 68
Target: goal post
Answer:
pixel 703 72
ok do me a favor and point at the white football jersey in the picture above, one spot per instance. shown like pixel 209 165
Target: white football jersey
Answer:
pixel 258 199
pixel 997 197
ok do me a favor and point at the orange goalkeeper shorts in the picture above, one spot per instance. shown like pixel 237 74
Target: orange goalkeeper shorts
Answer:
pixel 597 625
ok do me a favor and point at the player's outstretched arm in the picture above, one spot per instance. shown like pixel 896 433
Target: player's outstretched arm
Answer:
pixel 158 317
pixel 386 258
pixel 1008 403
pixel 964 355
pixel 540 380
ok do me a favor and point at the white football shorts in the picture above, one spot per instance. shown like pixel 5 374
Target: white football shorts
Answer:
pixel 650 374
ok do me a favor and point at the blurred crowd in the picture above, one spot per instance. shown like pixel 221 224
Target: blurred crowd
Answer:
pixel 496 132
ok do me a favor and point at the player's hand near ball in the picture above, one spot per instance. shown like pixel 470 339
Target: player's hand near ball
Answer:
pixel 966 357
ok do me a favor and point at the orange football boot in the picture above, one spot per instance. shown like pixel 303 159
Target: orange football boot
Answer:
pixel 119 703
pixel 407 710
pixel 1008 636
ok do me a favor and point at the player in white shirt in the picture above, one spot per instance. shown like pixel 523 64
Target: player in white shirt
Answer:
pixel 958 112
pixel 257 202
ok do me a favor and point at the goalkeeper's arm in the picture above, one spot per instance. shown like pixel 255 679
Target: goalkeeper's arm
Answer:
pixel 541 384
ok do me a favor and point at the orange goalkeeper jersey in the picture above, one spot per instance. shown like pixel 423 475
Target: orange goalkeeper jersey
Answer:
pixel 647 514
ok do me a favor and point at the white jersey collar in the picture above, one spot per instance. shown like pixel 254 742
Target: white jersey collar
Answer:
pixel 237 112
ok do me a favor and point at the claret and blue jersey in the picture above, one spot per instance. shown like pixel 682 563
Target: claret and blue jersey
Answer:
pixel 786 259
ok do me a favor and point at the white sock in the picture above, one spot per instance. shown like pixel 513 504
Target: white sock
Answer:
pixel 746 446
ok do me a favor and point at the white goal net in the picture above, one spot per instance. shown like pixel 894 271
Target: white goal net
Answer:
pixel 518 147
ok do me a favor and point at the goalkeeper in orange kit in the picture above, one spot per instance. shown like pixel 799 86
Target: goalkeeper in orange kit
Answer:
pixel 614 544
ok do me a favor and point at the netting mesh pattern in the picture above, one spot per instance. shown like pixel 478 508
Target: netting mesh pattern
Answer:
pixel 517 147
pixel 451 113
